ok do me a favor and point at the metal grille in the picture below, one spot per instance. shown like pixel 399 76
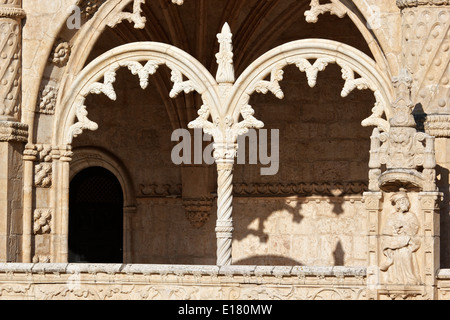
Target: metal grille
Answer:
pixel 96 185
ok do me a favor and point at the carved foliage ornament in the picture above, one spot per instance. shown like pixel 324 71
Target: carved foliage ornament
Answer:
pixel 135 16
pixel 318 9
pixel 226 129
pixel 312 69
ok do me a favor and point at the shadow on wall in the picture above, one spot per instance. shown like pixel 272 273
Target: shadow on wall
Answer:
pixel 339 255
pixel 275 260
pixel 297 217
pixel 265 260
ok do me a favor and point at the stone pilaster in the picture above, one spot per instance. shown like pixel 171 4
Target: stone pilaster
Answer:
pixel 426 52
pixel 13 134
pixel 12 138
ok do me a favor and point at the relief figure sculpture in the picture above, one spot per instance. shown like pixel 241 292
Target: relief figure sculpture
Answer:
pixel 400 243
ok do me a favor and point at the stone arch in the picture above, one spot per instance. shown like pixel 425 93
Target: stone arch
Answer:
pixel 323 51
pixel 111 13
pixel 130 55
pixel 86 157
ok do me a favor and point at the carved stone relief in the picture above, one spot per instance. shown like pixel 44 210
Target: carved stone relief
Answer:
pixel 400 243
pixel 318 9
pixel 43 166
pixel 426 53
pixel 42 219
pixel 47 99
pixel 61 53
pixel 10 53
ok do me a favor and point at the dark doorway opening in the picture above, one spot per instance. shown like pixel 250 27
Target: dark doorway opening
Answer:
pixel 95 217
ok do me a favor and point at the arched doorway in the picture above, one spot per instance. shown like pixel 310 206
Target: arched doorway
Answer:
pixel 95 217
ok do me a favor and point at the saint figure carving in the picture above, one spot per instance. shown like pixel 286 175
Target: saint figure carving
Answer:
pixel 400 242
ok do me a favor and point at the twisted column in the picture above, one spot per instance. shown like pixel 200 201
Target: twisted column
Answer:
pixel 224 155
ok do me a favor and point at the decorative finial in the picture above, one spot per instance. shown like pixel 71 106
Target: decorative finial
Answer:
pixel 225 72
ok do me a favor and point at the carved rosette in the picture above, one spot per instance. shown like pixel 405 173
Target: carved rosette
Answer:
pixel 11 15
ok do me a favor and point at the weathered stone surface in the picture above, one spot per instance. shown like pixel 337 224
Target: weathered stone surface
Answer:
pixel 354 101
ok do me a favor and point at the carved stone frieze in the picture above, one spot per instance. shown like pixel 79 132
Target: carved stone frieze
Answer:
pixel 437 125
pixel 125 282
pixel 300 189
pixel 157 191
pixel 415 3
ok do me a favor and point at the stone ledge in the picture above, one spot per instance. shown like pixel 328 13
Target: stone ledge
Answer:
pixel 443 274
pixel 277 271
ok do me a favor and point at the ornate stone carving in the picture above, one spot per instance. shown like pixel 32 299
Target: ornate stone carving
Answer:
pixel 83 124
pixel 13 131
pixel 300 189
pixel 226 103
pixel 414 3
pixel 224 154
pixel 400 242
pixel 225 71
pixel 47 100
pixel 106 87
pixel 312 71
pixel 157 191
pixel 10 54
pixel 197 211
pixel 318 9
pixel 61 53
pixel 43 167
pixel 88 8
pixel 42 221
pixel 39 258
pixel 143 72
pixel 437 125
pixel 425 49
pixel 273 85
pixel 43 175
pixel 408 155
pixel 132 17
